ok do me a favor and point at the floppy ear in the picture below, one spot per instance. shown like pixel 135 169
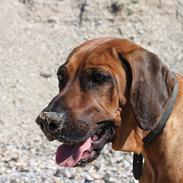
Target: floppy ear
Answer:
pixel 151 86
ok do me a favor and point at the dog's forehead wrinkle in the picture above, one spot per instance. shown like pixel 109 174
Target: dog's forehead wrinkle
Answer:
pixel 101 60
pixel 93 50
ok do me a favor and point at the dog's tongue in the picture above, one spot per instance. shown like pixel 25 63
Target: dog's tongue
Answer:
pixel 69 155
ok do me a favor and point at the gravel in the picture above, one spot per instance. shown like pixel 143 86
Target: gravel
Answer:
pixel 35 38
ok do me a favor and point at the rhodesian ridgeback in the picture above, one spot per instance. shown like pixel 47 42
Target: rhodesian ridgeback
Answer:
pixel 112 90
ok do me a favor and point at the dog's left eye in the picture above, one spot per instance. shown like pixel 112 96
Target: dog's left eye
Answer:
pixel 62 77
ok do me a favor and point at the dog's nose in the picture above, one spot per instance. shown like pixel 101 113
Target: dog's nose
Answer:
pixel 50 122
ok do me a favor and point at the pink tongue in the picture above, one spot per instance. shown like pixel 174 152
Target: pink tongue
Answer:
pixel 69 155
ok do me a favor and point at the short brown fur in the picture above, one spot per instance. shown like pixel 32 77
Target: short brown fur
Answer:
pixel 163 158
pixel 135 101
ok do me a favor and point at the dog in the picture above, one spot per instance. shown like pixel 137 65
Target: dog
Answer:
pixel 113 90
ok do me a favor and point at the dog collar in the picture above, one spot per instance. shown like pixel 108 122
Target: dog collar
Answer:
pixel 138 158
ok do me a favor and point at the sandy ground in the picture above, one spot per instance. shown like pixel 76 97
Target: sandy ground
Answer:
pixel 35 38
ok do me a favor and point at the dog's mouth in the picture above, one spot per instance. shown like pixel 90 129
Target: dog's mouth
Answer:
pixel 72 155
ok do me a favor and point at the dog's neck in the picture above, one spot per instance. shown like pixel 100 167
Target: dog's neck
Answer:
pixel 163 157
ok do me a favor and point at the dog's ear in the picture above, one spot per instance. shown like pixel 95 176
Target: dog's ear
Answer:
pixel 151 86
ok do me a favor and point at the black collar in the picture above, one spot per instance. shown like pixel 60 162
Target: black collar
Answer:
pixel 138 158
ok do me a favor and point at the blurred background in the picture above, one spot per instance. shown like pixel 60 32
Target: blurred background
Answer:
pixel 36 36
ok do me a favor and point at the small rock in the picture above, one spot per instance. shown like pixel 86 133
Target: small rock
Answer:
pixel 45 75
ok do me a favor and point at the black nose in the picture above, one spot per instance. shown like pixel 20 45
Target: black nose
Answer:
pixel 50 123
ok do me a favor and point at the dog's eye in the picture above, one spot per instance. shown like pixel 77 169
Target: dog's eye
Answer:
pixel 62 77
pixel 92 78
pixel 100 77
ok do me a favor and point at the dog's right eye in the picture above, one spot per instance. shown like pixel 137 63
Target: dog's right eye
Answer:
pixel 62 77
pixel 99 77
pixel 93 78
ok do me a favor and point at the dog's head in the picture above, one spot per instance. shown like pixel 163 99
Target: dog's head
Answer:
pixel 109 90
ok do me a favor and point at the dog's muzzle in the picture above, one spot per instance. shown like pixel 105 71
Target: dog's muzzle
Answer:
pixel 50 123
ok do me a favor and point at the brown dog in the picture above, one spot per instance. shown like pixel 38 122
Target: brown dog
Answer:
pixel 114 90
